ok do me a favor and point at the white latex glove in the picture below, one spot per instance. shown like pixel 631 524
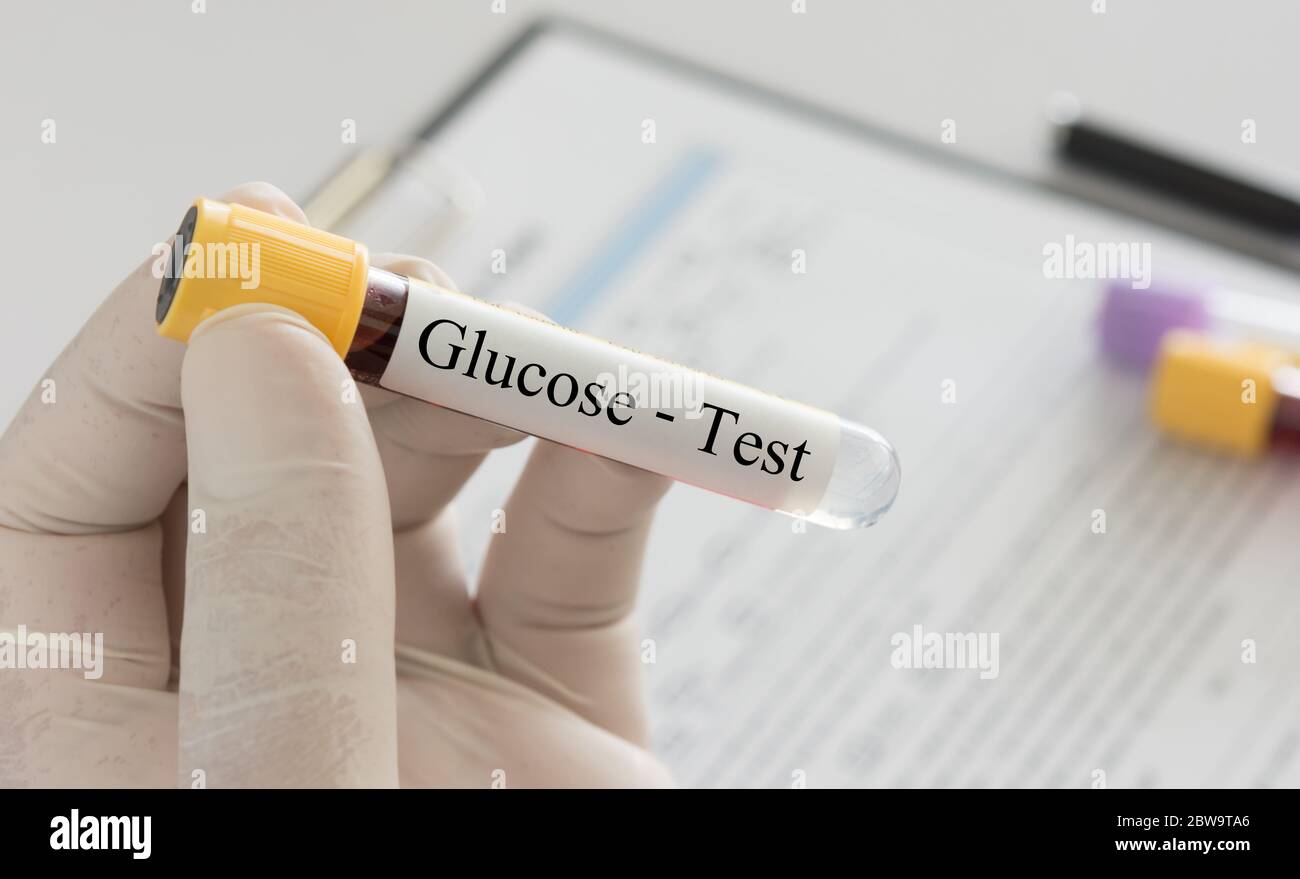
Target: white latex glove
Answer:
pixel 326 521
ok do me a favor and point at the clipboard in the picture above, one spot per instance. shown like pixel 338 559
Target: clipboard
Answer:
pixel 903 286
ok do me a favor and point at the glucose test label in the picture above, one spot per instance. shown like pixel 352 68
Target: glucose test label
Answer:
pixel 549 381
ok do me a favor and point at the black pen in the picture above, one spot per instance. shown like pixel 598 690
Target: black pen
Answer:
pixel 1088 143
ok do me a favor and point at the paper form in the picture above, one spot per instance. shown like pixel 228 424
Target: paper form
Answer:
pixel 641 204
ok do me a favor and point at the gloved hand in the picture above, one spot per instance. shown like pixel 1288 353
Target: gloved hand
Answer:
pixel 319 630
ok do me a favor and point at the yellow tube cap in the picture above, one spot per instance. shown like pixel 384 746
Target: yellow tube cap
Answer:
pixel 232 254
pixel 1216 394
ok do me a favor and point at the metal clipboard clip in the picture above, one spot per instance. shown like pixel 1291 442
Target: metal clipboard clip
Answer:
pixel 408 202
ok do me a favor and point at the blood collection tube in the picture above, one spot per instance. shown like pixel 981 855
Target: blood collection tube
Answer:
pixel 517 370
pixel 1223 394
pixel 1134 321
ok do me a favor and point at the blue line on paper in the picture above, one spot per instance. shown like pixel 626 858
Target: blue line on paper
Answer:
pixel 642 225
